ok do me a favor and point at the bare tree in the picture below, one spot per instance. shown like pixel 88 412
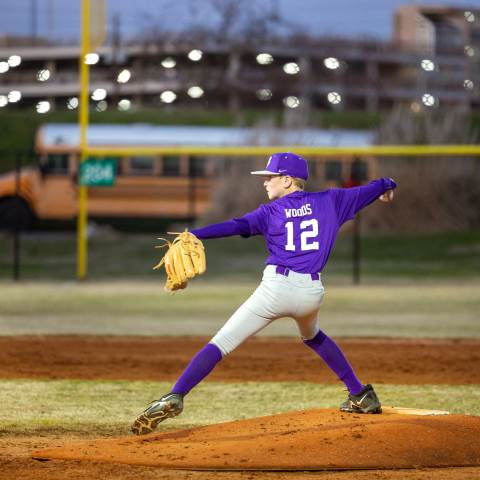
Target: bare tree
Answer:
pixel 229 12
pixel 435 193
pixel 245 22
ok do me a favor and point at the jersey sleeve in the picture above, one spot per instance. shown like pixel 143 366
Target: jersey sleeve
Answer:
pixel 348 201
pixel 236 226
pixel 252 223
pixel 257 221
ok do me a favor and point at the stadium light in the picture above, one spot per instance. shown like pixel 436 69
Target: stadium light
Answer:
pixel 92 58
pixel 291 68
pixel 72 103
pixel 291 101
pixel 124 104
pixel 101 106
pixel 168 96
pixel 469 16
pixel 427 65
pixel 124 76
pixel 469 51
pixel 43 75
pixel 334 97
pixel 14 96
pixel 4 67
pixel 468 84
pixel 264 59
pixel 3 101
pixel 264 94
pixel 195 55
pixel 195 92
pixel 14 60
pixel 99 94
pixel 331 63
pixel 428 100
pixel 168 62
pixel 43 106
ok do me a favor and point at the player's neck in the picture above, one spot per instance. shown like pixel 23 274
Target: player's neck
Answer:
pixel 290 190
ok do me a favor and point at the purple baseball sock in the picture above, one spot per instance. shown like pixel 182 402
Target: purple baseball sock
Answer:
pixel 331 354
pixel 198 368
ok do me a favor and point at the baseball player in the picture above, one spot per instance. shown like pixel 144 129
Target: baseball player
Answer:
pixel 299 229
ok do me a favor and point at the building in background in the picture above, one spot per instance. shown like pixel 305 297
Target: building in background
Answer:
pixel 437 30
pixel 432 62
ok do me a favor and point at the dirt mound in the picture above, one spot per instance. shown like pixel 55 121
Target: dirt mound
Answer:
pixel 306 440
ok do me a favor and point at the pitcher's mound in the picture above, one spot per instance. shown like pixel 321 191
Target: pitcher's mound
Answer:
pixel 307 440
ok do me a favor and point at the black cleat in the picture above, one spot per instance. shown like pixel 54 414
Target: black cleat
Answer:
pixel 168 406
pixel 364 402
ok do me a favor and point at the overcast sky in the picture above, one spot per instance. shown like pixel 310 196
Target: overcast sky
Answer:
pixel 59 19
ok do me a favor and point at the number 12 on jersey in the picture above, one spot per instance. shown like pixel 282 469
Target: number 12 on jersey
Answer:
pixel 309 230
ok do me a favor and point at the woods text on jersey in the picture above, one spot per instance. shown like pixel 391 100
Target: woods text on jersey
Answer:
pixel 298 212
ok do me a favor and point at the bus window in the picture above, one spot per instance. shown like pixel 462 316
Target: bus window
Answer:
pixel 141 165
pixel 55 163
pixel 359 171
pixel 197 167
pixel 333 170
pixel 171 166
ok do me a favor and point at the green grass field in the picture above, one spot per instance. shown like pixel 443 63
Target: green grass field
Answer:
pixel 412 286
pixel 108 407
pixel 143 308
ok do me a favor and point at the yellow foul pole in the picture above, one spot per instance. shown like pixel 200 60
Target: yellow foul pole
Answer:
pixel 83 123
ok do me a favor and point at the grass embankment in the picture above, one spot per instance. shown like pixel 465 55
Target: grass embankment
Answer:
pixel 121 255
pixel 31 406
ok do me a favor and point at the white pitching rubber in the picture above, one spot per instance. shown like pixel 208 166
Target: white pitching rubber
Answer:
pixel 413 411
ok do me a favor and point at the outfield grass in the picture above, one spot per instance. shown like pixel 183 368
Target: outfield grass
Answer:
pixel 120 255
pixel 34 406
pixel 143 308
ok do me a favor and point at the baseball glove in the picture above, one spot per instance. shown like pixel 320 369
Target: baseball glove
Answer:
pixel 185 258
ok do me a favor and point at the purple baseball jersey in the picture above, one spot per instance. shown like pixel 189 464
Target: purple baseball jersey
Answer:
pixel 300 228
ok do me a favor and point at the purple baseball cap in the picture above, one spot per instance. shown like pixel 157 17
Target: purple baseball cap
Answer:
pixel 285 163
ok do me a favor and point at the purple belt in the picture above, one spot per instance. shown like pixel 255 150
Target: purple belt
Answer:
pixel 285 271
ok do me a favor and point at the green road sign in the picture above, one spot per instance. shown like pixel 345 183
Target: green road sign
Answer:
pixel 98 172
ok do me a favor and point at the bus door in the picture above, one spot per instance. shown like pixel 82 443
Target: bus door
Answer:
pixel 57 195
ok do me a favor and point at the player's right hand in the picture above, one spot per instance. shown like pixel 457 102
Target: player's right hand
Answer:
pixel 387 196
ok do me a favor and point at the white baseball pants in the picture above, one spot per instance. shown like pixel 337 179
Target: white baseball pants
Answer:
pixel 296 296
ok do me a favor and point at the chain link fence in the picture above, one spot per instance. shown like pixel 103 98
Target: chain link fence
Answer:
pixel 437 200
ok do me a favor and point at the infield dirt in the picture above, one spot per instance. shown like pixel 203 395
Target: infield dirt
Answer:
pixel 381 361
pixel 394 361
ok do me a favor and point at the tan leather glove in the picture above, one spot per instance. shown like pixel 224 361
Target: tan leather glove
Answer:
pixel 185 259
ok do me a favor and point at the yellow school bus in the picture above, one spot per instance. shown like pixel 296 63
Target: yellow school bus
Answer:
pixel 154 186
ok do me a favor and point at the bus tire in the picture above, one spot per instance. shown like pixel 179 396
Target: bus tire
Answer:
pixel 15 214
